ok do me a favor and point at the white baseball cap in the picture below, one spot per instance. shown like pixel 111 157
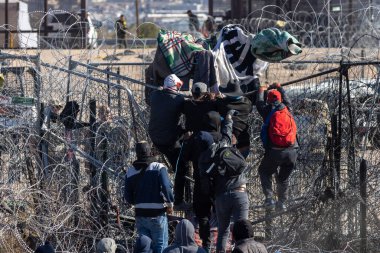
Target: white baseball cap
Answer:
pixel 172 81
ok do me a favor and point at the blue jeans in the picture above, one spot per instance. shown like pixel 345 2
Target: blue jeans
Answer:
pixel 156 228
pixel 231 203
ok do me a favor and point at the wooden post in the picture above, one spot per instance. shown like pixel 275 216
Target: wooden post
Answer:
pixel 137 12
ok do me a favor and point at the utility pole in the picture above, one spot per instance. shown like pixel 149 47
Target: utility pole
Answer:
pixel 83 16
pixel 137 13
pixel 328 24
pixel 350 11
pixel 6 24
pixel 46 18
pixel 211 7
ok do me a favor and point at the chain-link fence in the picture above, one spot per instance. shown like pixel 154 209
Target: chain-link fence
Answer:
pixel 65 184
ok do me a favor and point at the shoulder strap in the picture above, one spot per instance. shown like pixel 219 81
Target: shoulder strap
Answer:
pixel 267 119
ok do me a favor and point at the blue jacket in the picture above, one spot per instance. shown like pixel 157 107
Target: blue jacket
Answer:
pixel 151 192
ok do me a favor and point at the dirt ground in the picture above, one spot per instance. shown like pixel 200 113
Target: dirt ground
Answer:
pixel 291 69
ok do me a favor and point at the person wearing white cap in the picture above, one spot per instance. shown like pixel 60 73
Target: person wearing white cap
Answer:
pixel 106 245
pixel 164 128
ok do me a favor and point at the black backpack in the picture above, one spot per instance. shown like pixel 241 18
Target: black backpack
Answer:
pixel 228 162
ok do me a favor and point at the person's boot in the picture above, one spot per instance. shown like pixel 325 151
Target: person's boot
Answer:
pixel 281 196
pixel 269 203
pixel 280 206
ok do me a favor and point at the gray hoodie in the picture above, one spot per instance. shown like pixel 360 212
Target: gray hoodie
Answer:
pixel 184 239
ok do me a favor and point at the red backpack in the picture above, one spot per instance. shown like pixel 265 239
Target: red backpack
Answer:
pixel 282 128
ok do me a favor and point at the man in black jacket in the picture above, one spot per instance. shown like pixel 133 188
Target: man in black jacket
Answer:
pixel 121 31
pixel 235 100
pixel 242 233
pixel 274 157
pixel 164 128
pixel 199 142
pixel 193 21
pixel 195 108
pixel 194 111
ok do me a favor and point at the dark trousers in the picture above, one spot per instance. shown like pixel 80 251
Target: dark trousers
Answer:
pixel 273 159
pixel 202 210
pixel 233 204
pixel 180 167
pixel 121 42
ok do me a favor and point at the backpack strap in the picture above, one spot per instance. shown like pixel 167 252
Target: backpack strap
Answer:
pixel 267 119
pixel 264 129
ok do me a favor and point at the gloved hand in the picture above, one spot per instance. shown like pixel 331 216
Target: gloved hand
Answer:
pixel 187 135
pixel 274 86
pixel 231 113
pixel 263 87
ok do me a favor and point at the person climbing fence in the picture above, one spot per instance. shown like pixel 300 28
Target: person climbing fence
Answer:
pixel 278 135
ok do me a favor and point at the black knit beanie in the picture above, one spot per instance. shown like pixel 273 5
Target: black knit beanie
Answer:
pixel 142 150
pixel 242 229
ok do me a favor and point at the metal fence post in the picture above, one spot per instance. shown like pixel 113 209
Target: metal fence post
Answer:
pixel 338 143
pixel 363 206
pixel 108 88
pixel 351 145
pixel 92 167
pixel 363 67
pixel 68 84
pixel 335 148
pixel 37 130
pixel 118 95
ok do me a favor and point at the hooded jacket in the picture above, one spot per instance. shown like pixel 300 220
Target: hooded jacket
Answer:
pixel 202 140
pixel 143 245
pixel 243 234
pixel 264 109
pixel 244 106
pixel 249 245
pixel 149 191
pixel 220 183
pixel 184 239
pixel 194 111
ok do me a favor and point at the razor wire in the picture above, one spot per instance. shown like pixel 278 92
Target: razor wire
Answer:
pixel 64 205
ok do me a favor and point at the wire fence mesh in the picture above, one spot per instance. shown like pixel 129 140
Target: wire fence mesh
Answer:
pixel 66 185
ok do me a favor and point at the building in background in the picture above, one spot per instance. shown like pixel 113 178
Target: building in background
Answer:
pixel 267 9
pixel 12 35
